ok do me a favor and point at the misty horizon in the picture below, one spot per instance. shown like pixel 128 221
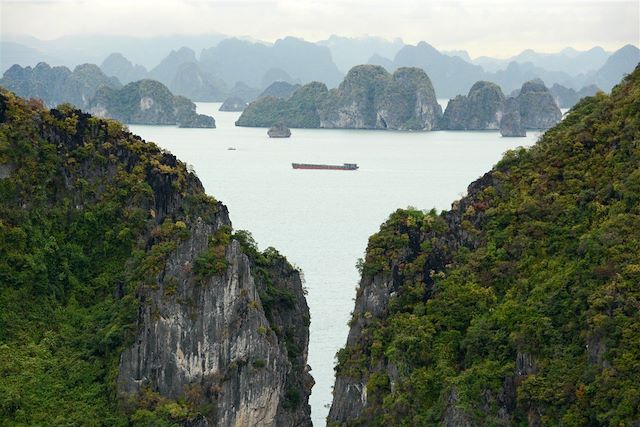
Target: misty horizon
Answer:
pixel 497 29
pixel 18 38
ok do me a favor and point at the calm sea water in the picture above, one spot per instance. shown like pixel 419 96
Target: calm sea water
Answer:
pixel 321 220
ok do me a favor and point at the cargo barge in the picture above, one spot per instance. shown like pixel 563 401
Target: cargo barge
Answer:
pixel 343 167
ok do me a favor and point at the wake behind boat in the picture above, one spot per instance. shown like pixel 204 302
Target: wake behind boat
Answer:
pixel 344 166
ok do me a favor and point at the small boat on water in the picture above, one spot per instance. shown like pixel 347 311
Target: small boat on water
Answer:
pixel 231 148
pixel 343 167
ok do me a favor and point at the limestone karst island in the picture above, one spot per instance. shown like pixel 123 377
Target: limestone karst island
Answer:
pixel 294 214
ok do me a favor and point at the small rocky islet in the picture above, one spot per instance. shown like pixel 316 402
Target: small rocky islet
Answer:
pixel 279 131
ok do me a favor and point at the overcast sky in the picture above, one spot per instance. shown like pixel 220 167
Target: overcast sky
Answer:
pixel 497 27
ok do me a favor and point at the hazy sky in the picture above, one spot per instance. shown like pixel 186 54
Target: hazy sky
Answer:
pixel 495 27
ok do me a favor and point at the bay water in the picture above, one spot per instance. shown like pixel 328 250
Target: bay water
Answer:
pixel 321 219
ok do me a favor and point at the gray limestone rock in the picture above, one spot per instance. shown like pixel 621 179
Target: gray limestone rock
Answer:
pixel 214 338
pixel 537 107
pixel 511 125
pixel 481 109
pixel 279 131
pixel 371 98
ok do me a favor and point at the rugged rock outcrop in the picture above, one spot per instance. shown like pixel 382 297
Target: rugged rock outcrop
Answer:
pixel 511 125
pixel 481 109
pixel 371 98
pixel 147 102
pixel 488 313
pixel 354 103
pixel 536 106
pixel 533 107
pixel 279 131
pixel 182 322
pixel 409 102
pixel 57 85
pixel 368 98
pixel 485 108
pixel 210 337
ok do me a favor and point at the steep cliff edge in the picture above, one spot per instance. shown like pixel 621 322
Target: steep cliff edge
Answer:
pixel 127 299
pixel 534 107
pixel 486 108
pixel 371 98
pixel 481 109
pixel 519 305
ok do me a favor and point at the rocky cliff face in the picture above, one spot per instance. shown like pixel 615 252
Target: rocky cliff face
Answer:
pixel 485 108
pixel 532 108
pixel 481 109
pixel 147 102
pixel 354 103
pixel 494 312
pixel 189 323
pixel 371 98
pixel 208 337
pixel 536 106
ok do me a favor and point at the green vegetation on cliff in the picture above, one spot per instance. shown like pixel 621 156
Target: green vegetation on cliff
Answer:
pixel 520 305
pixel 89 215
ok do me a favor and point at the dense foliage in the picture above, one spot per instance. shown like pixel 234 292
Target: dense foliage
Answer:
pixel 88 217
pixel 521 304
